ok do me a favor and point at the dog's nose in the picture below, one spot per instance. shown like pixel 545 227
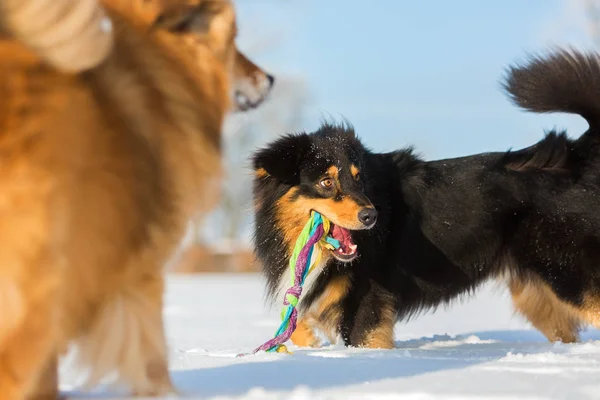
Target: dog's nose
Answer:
pixel 271 79
pixel 368 216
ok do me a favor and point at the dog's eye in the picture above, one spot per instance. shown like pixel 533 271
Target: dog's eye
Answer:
pixel 326 183
pixel 357 176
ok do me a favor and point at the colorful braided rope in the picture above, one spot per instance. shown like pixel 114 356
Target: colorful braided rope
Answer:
pixel 315 232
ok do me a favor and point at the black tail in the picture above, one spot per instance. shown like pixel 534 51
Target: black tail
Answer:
pixel 562 81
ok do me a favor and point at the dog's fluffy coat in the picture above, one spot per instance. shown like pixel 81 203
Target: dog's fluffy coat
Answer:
pixel 99 174
pixel 446 226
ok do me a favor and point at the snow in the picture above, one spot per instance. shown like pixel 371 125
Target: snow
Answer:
pixel 477 349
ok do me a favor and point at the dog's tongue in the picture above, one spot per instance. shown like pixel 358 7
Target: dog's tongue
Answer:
pixel 342 235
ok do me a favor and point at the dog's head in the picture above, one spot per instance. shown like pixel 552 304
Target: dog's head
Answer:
pixel 212 24
pixel 322 172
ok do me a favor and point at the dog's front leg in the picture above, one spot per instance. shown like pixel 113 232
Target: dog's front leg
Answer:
pixel 369 318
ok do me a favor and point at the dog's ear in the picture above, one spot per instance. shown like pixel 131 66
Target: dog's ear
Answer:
pixel 282 158
pixel 182 18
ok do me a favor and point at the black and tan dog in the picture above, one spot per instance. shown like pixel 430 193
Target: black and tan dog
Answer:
pixel 443 227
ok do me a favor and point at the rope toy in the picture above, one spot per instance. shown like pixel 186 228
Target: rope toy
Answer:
pixel 312 239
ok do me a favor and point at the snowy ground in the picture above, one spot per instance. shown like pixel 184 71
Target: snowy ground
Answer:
pixel 475 350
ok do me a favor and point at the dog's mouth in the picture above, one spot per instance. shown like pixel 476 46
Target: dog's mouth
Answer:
pixel 248 96
pixel 347 251
pixel 244 103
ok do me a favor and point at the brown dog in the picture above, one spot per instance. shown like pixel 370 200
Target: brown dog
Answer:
pixel 99 173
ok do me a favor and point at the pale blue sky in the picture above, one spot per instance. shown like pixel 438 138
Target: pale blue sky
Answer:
pixel 422 73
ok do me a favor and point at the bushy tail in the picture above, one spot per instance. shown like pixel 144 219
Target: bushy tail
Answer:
pixel 561 81
pixel 70 35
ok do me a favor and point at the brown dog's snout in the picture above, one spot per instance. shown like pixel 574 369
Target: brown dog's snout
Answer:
pixel 271 80
pixel 251 84
pixel 368 216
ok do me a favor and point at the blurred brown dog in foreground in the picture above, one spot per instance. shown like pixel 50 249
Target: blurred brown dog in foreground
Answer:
pixel 110 123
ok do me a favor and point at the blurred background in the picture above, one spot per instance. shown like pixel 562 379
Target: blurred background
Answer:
pixel 419 73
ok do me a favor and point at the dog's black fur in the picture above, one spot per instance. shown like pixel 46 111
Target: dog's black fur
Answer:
pixel 444 227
